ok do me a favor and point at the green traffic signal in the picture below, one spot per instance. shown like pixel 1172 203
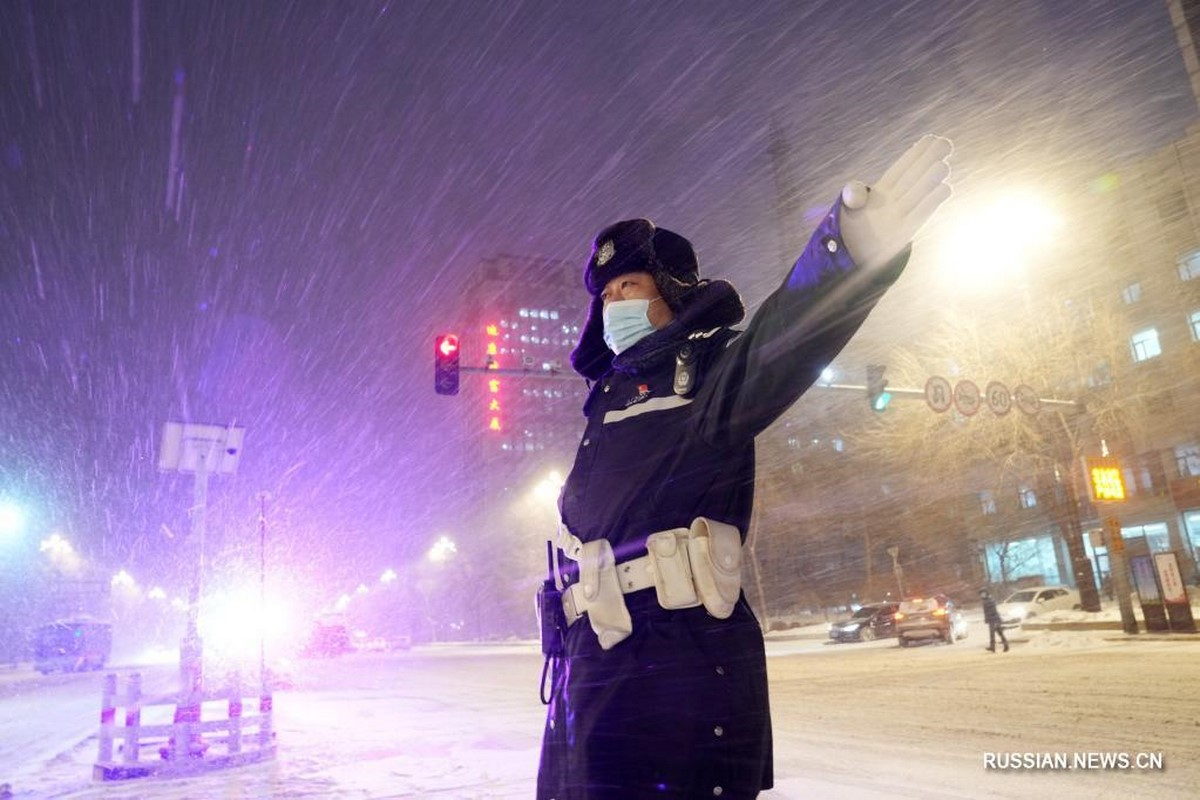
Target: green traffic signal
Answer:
pixel 877 394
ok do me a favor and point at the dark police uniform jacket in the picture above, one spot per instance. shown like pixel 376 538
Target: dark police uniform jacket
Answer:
pixel 680 709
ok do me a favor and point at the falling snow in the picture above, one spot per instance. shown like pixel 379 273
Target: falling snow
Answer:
pixel 259 215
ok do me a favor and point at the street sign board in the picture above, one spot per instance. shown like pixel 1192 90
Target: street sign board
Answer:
pixel 1169 577
pixel 186 446
pixel 938 395
pixel 966 398
pixel 998 399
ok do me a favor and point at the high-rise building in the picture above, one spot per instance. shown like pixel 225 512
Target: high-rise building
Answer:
pixel 523 319
pixel 521 419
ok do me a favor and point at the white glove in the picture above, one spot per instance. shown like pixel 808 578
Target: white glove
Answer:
pixel 878 221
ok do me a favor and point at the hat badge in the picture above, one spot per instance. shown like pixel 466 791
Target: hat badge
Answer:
pixel 605 253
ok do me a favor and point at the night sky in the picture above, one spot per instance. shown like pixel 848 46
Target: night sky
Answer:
pixel 260 213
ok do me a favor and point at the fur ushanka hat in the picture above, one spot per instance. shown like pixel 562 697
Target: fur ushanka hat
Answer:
pixel 637 245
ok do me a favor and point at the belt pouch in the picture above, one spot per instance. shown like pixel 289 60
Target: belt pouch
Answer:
pixel 716 555
pixel 672 573
pixel 602 595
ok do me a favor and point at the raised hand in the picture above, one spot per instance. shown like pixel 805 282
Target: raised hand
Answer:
pixel 878 221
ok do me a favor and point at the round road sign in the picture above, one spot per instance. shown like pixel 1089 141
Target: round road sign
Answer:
pixel 966 398
pixel 998 399
pixel 938 395
pixel 1026 399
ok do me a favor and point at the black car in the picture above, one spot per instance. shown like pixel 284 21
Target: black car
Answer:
pixel 872 621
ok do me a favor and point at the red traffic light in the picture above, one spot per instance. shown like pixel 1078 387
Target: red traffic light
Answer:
pixel 445 358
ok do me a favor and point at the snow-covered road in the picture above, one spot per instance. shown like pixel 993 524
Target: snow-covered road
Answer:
pixel 867 720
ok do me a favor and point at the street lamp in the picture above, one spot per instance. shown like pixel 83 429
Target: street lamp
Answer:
pixel 548 488
pixel 989 240
pixel 442 550
pixel 12 520
pixel 123 580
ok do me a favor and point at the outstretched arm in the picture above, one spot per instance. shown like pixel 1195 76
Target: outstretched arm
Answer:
pixel 857 252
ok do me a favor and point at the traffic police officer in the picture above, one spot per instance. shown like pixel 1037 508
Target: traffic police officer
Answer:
pixel 653 696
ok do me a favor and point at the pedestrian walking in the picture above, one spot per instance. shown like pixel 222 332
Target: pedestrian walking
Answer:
pixel 995 625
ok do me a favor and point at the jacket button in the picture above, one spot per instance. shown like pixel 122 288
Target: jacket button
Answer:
pixel 718 731
pixel 720 670
pixel 607 387
pixel 586 442
pixel 831 244
pixel 717 790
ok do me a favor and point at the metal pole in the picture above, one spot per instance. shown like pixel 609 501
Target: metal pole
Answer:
pixel 191 649
pixel 262 589
pixel 894 552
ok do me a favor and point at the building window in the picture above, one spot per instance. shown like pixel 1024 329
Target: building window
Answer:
pixel 1187 460
pixel 987 502
pixel 1145 344
pixel 1194 323
pixel 1189 265
pixel 1027 496
pixel 1132 292
pixel 1155 534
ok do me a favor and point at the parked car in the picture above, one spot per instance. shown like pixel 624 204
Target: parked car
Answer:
pixel 1025 604
pixel 871 621
pixel 72 645
pixel 934 617
pixel 327 641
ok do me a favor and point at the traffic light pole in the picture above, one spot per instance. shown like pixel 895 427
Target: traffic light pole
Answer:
pixel 528 373
pixel 919 394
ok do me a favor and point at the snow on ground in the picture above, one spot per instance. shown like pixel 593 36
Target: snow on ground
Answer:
pixel 851 721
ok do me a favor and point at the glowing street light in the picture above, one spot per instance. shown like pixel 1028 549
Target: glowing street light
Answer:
pixel 548 488
pixel 56 546
pixel 12 520
pixel 990 242
pixel 442 549
pixel 60 553
pixel 124 579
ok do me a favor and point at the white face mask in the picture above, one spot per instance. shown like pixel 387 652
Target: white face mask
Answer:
pixel 626 322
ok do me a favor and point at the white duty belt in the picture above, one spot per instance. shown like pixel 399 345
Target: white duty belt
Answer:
pixel 632 576
pixel 688 567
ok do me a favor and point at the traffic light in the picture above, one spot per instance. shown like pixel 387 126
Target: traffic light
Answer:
pixel 877 393
pixel 445 363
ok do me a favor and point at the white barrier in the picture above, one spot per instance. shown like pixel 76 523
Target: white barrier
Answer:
pixel 189 743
